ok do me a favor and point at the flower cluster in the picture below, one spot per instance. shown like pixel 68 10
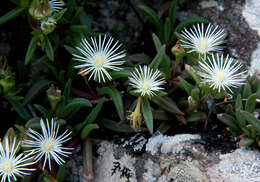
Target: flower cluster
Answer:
pixel 45 12
pixel 46 146
pixel 219 72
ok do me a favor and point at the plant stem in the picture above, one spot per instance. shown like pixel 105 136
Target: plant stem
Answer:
pixel 81 93
pixel 88 173
pixel 86 81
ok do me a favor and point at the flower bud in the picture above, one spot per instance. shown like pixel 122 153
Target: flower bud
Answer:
pixel 48 25
pixel 178 51
pixel 7 81
pixel 136 116
pixel 40 9
pixel 54 96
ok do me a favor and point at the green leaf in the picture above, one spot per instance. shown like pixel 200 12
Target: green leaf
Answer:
pixel 186 23
pixel 11 14
pixel 45 112
pixel 158 58
pixel 75 20
pixel 49 49
pixel 167 29
pixel 238 104
pixel 240 120
pixel 25 3
pixel 166 61
pixel 61 173
pixel 36 89
pixel 114 126
pixel 247 91
pixel 162 115
pixel 251 119
pixel 251 103
pixel 116 97
pixel 67 90
pixel 71 50
pixel 154 18
pixel 78 28
pixel 246 142
pixel 59 15
pixel 185 85
pixel 230 122
pixel 87 129
pixel 17 2
pixel 147 113
pixel 46 179
pixel 172 12
pixel 22 112
pixel 74 105
pixel 258 94
pixel 195 94
pixel 167 104
pixel 120 74
pixel 31 49
pixel 94 113
pixel 71 7
pixel 166 67
pixel 156 42
pixel 33 123
pixel 196 117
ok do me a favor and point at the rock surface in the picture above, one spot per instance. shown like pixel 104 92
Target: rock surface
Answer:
pixel 180 158
pixel 252 15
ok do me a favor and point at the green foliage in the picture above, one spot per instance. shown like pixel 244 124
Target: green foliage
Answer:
pixel 116 97
pixel 166 30
pixel 11 14
pixel 243 121
pixel 147 113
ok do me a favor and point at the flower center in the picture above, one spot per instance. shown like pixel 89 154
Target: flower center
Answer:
pixel 220 77
pixel 7 167
pixel 203 46
pixel 48 146
pixel 99 61
pixel 146 85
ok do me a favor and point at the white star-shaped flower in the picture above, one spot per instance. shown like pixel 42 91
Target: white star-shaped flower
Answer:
pixel 221 73
pixel 203 41
pixel 49 145
pixel 56 5
pixel 146 81
pixel 11 164
pixel 98 56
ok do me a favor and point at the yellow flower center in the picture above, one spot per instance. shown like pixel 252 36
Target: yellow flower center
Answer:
pixel 220 77
pixel 48 146
pixel 203 46
pixel 146 85
pixel 7 167
pixel 99 61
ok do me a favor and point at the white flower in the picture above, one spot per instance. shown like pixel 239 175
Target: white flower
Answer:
pixel 48 145
pixel 146 81
pixel 222 73
pixel 98 56
pixel 201 41
pixel 12 165
pixel 56 5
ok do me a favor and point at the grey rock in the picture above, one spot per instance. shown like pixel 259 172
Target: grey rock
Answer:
pixel 240 166
pixel 252 15
pixel 114 163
